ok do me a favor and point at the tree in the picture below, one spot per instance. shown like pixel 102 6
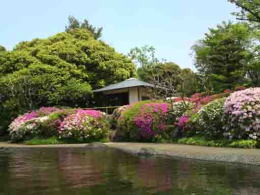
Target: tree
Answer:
pixel 2 48
pixel 223 56
pixel 74 23
pixel 167 77
pixel 250 10
pixel 61 70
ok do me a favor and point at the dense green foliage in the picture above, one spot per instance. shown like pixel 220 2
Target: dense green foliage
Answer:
pixel 164 75
pixel 250 10
pixel 60 70
pixel 75 24
pixel 201 141
pixel 226 56
pixel 208 121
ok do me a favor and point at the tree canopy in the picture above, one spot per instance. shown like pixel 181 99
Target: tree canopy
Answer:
pixel 249 10
pixel 74 24
pixel 168 77
pixel 60 70
pixel 224 56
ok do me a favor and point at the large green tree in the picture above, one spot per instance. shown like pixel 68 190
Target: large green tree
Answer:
pixel 249 10
pixel 60 70
pixel 223 57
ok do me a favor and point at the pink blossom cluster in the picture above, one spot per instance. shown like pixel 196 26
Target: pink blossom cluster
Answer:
pixel 243 111
pixel 78 120
pixel 151 119
pixel 74 122
pixel 15 125
pixel 183 120
pixel 92 113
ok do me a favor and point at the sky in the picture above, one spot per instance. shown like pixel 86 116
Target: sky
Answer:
pixel 171 26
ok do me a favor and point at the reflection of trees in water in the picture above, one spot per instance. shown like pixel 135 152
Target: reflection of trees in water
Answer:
pixel 109 170
pixel 80 169
pixel 186 176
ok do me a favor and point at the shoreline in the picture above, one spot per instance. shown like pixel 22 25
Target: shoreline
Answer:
pixel 214 154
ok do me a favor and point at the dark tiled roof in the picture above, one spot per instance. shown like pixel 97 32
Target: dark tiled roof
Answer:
pixel 132 82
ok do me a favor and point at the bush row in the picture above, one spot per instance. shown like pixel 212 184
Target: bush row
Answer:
pixel 234 116
pixel 75 125
pixel 227 116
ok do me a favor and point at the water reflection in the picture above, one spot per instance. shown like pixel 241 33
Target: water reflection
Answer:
pixel 106 171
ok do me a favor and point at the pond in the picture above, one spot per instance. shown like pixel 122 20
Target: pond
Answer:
pixel 69 171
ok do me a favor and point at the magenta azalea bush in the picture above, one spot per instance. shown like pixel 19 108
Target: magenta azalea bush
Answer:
pixel 143 121
pixel 64 123
pixel 242 110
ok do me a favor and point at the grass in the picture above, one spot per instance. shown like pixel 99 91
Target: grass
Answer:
pixel 201 141
pixel 55 140
pixel 43 141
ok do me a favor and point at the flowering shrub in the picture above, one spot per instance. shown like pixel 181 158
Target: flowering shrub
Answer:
pixel 180 108
pixel 84 125
pixel 16 124
pixel 242 110
pixel 182 121
pixel 50 121
pixel 35 123
pixel 151 120
pixel 209 120
pixel 92 113
pixel 142 121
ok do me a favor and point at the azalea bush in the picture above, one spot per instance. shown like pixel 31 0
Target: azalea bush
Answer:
pixel 50 121
pixel 143 121
pixel 209 120
pixel 242 111
pixel 84 126
pixel 31 124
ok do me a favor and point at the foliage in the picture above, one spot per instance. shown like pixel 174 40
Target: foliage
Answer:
pixel 60 70
pixel 218 143
pixel 43 141
pixel 180 108
pixel 209 120
pixel 2 48
pixel 74 24
pixel 250 10
pixel 167 77
pixel 242 110
pixel 244 144
pixel 224 55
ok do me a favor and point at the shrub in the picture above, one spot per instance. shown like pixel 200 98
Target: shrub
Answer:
pixel 35 123
pixel 242 111
pixel 143 121
pixel 180 108
pixel 84 126
pixel 50 122
pixel 209 120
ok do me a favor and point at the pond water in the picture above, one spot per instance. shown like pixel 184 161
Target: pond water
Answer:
pixel 106 171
